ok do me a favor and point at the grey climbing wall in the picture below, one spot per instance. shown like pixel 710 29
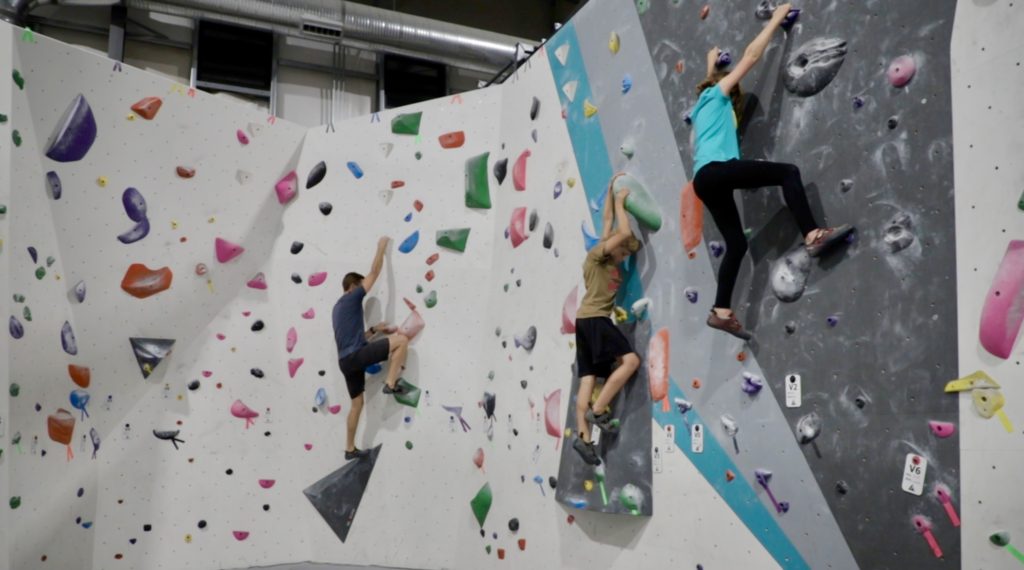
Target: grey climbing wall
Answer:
pixel 874 332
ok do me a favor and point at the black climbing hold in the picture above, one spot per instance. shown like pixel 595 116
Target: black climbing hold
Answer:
pixel 296 278
pixel 81 491
pixel 297 247
pixel 523 384
pixel 230 471
pixel 482 533
pixel 814 65
pixel 132 540
pixel 256 372
pixel 519 282
pixel 202 524
pixel 504 344
pixel 147 527
pixel 39 408
pixel 193 385
pixel 860 402
pixel 893 122
pixel 316 175
pixel 257 326
pixel 500 170
pixel 513 523
pixel 842 488
pixel 549 236
pixel 266 507
pixel 534 220
pixel 534 108
pixel 325 208
pixel 266 434
pixel 322 372
pixel 845 185
pixel 790 327
pixel 515 432
pixel 315 409
pixel 553 481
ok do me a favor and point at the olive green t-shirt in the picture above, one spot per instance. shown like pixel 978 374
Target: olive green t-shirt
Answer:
pixel 602 279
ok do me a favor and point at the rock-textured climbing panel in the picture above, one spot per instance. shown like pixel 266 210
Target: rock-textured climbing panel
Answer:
pixel 337 496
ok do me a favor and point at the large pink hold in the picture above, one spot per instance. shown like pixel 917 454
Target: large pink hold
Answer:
pixel 1003 312
pixel 552 403
pixel 240 410
pixel 901 70
pixel 240 534
pixel 942 429
pixel 258 282
pixel 309 314
pixel 657 367
pixel 267 483
pixel 242 137
pixel 519 171
pixel 569 311
pixel 287 187
pixel 226 251
pixel 335 409
pixel 478 458
pixel 517 227
pixel 293 366
pixel 317 278
pixel 291 339
pixel 413 325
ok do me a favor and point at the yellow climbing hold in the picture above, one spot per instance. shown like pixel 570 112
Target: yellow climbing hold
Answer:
pixel 188 539
pixel 102 181
pixel 589 110
pixel 211 220
pixel 613 43
pixel 571 182
pixel 568 433
pixel 620 315
pixel 130 116
pixel 588 485
pixel 174 224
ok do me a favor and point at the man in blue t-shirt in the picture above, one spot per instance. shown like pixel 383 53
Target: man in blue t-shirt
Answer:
pixel 355 353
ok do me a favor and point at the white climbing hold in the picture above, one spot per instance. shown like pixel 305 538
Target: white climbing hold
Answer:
pixel 570 90
pixel 562 53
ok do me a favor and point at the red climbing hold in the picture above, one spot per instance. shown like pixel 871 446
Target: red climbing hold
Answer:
pixel 522 544
pixel 397 184
pixel 185 172
pixel 418 206
pixel 519 171
pixel 729 475
pixel 501 554
pixel 429 276
pixel 141 282
pixel 453 139
pixel 433 259
pixel 704 12
pixel 517 227
pixel 147 107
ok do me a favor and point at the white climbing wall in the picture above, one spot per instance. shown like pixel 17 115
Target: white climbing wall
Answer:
pixel 987 76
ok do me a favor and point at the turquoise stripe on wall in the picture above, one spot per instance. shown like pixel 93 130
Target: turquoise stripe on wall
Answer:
pixel 595 170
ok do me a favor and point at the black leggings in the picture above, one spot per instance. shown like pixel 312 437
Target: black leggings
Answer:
pixel 714 184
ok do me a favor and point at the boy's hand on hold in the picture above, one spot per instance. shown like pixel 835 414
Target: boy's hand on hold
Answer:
pixel 621 196
pixel 781 12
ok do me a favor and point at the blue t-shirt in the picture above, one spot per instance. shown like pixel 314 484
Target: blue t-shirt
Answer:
pixel 715 124
pixel 348 322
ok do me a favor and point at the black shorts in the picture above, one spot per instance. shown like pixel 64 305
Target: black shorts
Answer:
pixel 354 365
pixel 598 344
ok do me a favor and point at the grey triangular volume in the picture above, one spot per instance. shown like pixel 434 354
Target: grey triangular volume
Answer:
pixel 336 497
pixel 149 352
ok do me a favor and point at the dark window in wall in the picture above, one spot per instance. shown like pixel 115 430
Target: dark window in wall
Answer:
pixel 233 56
pixel 408 80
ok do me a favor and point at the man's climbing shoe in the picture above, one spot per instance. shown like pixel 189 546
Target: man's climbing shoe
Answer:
pixel 828 238
pixel 586 451
pixel 356 454
pixel 398 389
pixel 604 421
pixel 730 325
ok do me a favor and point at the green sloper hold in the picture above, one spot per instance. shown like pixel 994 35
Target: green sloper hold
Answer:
pixel 478 192
pixel 430 300
pixel 18 79
pixel 15 502
pixel 410 396
pixel 640 203
pixel 406 124
pixel 454 240
pixel 481 503
pixel 1000 538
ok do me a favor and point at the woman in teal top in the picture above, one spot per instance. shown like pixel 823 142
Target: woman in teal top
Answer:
pixel 719 170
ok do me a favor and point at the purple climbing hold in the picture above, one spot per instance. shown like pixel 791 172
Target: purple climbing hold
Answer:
pixel 54 185
pixel 832 320
pixel 751 384
pixel 138 231
pixel 16 328
pixel 67 339
pixel 32 253
pixel 75 133
pixel 790 19
pixel 858 102
pixel 691 294
pixel 724 60
pixel 134 204
pixel 558 189
pixel 80 291
pixel 717 249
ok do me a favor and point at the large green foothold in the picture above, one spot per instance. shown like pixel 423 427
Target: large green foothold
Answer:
pixel 454 240
pixel 430 300
pixel 478 191
pixel 15 389
pixel 406 124
pixel 16 137
pixel 640 203
pixel 18 79
pixel 1000 538
pixel 40 272
pixel 15 502
pixel 481 503
pixel 410 396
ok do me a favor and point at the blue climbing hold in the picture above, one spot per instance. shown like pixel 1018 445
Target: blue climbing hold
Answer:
pixel 355 170
pixel 410 242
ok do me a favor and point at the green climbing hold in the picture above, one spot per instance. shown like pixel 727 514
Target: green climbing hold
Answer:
pixel 454 240
pixel 408 445
pixel 642 6
pixel 419 288
pixel 3 208
pixel 419 155
pixel 50 260
pixel 15 502
pixel 488 548
pixel 27 313
pixel 410 395
pixel 481 503
pixel 15 389
pixel 430 300
pixel 478 191
pixel 406 124
pixel 16 137
pixel 1020 203
pixel 18 79
pixel 40 272
pixel 19 298
pixel 640 203
pixel 506 287
pixel 490 375
pixel 1000 538
pixel 3 118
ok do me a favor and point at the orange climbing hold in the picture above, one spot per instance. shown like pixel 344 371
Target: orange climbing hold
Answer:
pixel 741 356
pixel 691 219
pixel 696 384
pixel 141 282
pixel 501 554
pixel 704 12
pixel 657 367
pixel 452 140
pixel 729 475
pixel 80 375
pixel 522 544
pixel 148 107
pixel 418 206
pixel 185 172
pixel 680 66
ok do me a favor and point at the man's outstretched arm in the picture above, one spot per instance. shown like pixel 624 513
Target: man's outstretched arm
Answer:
pixel 378 264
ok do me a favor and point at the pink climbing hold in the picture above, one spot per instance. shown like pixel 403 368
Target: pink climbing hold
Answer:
pixel 290 340
pixel 240 534
pixel 413 324
pixel 287 187
pixel 657 367
pixel 478 458
pixel 1002 314
pixel 226 251
pixel 569 311
pixel 317 278
pixel 901 70
pixel 258 282
pixel 519 171
pixel 335 409
pixel 552 403
pixel 242 137
pixel 309 314
pixel 207 373
pixel 942 429
pixel 220 336
pixel 308 446
pixel 293 366
pixel 240 410
pixel 267 483
pixel 517 227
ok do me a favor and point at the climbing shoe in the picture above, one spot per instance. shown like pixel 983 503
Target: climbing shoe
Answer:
pixel 586 451
pixel 828 238
pixel 356 454
pixel 398 389
pixel 730 325
pixel 604 421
